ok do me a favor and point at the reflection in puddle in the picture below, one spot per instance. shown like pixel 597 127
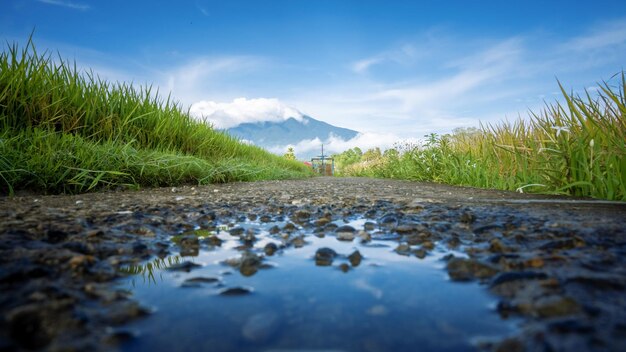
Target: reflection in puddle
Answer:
pixel 148 270
pixel 311 291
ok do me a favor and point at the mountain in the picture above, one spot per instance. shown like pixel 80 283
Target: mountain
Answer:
pixel 268 134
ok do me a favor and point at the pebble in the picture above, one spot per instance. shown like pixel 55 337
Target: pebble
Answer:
pixel 507 277
pixel 213 240
pixel 556 306
pixel 189 241
pixel 270 248
pixel 420 253
pixel 461 269
pixel 26 326
pixel 236 291
pixel 325 256
pixel 249 263
pixel 369 226
pixel 197 282
pixel 365 236
pixel 388 222
pixel 345 233
pixel 355 258
pixel 298 242
pixel 185 266
pixel 403 249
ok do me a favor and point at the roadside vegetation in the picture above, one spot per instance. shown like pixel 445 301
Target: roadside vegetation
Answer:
pixel 577 148
pixel 63 130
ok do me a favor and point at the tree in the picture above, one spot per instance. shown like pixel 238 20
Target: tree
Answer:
pixel 372 154
pixel 290 155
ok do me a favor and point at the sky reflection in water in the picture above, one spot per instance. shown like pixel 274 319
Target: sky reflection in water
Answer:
pixel 389 302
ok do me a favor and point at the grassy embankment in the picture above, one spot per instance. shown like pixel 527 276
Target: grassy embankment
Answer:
pixel 576 148
pixel 66 131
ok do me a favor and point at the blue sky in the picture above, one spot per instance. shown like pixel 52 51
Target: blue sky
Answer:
pixel 391 69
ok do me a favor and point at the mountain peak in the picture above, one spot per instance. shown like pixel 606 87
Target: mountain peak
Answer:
pixel 291 131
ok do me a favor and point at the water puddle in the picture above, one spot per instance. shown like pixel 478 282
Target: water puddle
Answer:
pixel 267 290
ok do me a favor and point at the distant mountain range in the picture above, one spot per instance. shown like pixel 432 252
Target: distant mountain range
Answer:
pixel 268 134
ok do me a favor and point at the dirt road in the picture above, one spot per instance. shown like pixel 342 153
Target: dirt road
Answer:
pixel 558 263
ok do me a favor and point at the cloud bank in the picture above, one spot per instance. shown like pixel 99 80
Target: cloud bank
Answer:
pixel 242 110
pixel 334 144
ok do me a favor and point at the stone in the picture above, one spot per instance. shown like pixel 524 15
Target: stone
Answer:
pixel 321 222
pixel 249 263
pixel 516 276
pixel 25 325
pixel 405 229
pixel 420 253
pixel 56 236
pixel 270 248
pixel 344 267
pixel 324 256
pixel 199 281
pixel 236 231
pixel 189 241
pixel 274 230
pixel 569 326
pixel 429 245
pixel 185 266
pixel 289 227
pixel 236 291
pixel 388 222
pixel 403 249
pixel 125 312
pixel 302 214
pixel 461 269
pixel 369 226
pixel 365 236
pixel 249 236
pixel 214 241
pixel 496 246
pixel 556 306
pixel 345 233
pixel 467 217
pixel 298 242
pixel 355 258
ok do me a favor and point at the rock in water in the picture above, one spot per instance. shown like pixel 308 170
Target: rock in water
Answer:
pixel 236 291
pixel 355 258
pixel 324 256
pixel 345 233
pixel 461 269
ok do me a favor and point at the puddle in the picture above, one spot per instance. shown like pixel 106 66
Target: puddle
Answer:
pixel 378 301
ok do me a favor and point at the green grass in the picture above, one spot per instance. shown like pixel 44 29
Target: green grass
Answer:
pixel 66 131
pixel 576 148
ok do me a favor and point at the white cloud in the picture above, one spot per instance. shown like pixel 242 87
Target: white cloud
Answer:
pixel 242 110
pixel 71 5
pixel 402 55
pixel 606 35
pixel 420 104
pixel 361 66
pixel 190 81
pixel 204 11
pixel 336 144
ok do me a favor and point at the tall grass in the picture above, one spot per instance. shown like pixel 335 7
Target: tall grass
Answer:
pixel 577 147
pixel 66 131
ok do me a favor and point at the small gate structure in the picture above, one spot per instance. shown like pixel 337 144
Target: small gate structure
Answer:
pixel 323 164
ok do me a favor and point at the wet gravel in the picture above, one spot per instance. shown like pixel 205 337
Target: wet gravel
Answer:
pixel 559 264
